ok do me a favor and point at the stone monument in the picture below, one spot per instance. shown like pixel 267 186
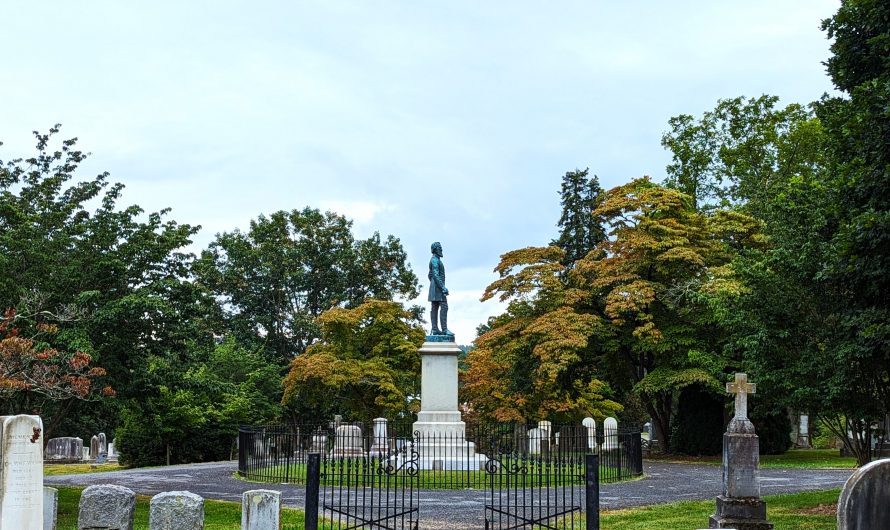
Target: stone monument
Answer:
pixel 740 505
pixel 348 442
pixel 610 434
pixel 865 497
pixel 441 434
pixel 590 424
pixel 64 450
pixel 380 447
pixel 21 472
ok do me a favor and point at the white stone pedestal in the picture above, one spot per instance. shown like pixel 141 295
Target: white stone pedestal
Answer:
pixel 441 441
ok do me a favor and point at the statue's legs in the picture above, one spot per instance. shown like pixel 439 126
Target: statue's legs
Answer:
pixel 443 316
pixel 434 317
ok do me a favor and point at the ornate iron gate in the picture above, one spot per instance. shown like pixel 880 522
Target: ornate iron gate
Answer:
pixel 373 492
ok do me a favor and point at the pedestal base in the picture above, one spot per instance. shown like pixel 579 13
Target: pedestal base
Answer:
pixel 741 514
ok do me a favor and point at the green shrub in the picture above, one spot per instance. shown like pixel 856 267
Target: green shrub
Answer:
pixel 774 430
pixel 698 427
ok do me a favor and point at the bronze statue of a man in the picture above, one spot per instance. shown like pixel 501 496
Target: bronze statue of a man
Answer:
pixel 438 292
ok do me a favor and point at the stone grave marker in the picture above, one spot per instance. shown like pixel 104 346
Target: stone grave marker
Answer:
pixel 103 444
pixel 21 472
pixel 864 503
pixel 381 440
pixel 106 507
pixel 740 505
pixel 534 440
pixel 50 507
pixel 261 510
pixel 572 439
pixel 112 452
pixel 319 443
pixel 64 450
pixel 348 442
pixel 610 434
pixel 590 424
pixel 520 439
pixel 176 510
pixel 94 447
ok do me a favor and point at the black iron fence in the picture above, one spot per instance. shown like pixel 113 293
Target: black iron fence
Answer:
pixel 451 458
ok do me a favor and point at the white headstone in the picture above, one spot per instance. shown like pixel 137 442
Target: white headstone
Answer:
pixel 534 441
pixel 112 453
pixel 590 424
pixel 261 510
pixel 610 434
pixel 86 453
pixel 176 510
pixel 21 472
pixel 106 506
pixel 545 425
pixel 319 443
pixel 94 447
pixel 348 441
pixel 381 442
pixel 50 507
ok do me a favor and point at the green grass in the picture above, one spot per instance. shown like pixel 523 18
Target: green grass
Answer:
pixel 812 510
pixel 218 515
pixel 78 469
pixel 793 459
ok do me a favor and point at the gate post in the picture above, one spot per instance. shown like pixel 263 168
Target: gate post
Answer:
pixel 313 471
pixel 592 479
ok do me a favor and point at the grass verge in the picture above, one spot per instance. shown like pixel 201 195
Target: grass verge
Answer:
pixel 218 515
pixel 811 510
pixel 78 469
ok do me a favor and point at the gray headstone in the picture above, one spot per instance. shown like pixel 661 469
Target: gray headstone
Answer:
pixel 520 439
pixel 381 437
pixel 103 444
pixel 50 507
pixel 106 507
pixel 21 472
pixel 94 447
pixel 572 439
pixel 348 442
pixel 64 450
pixel 176 510
pixel 319 443
pixel 535 438
pixel 864 501
pixel 261 510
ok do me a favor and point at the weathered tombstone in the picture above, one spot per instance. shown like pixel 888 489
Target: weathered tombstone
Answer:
pixel 534 440
pixel 112 452
pixel 86 453
pixel 21 472
pixel 381 441
pixel 572 439
pixel 176 510
pixel 348 442
pixel 520 439
pixel 103 444
pixel 740 505
pixel 610 434
pixel 865 497
pixel 106 507
pixel 261 510
pixel 64 450
pixel 803 431
pixel 546 425
pixel 94 447
pixel 319 443
pixel 50 507
pixel 590 424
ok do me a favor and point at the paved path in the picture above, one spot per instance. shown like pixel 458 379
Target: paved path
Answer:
pixel 464 508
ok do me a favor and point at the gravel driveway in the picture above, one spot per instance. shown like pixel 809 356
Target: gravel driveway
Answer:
pixel 663 483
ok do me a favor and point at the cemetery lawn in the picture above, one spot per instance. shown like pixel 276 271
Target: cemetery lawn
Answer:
pixel 218 515
pixel 793 459
pixel 78 469
pixel 810 510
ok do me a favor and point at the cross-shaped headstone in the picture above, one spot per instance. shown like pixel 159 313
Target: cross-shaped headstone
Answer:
pixel 741 388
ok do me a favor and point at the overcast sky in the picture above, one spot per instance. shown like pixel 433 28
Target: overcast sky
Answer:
pixel 451 121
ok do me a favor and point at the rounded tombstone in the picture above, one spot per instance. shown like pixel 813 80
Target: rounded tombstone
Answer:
pixel 865 497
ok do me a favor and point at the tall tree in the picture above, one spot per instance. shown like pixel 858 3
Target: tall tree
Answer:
pixel 275 279
pixel 661 259
pixel 366 364
pixel 580 230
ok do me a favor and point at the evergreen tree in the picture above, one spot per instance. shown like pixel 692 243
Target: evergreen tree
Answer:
pixel 580 229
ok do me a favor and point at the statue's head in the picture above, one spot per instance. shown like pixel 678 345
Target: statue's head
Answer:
pixel 436 248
